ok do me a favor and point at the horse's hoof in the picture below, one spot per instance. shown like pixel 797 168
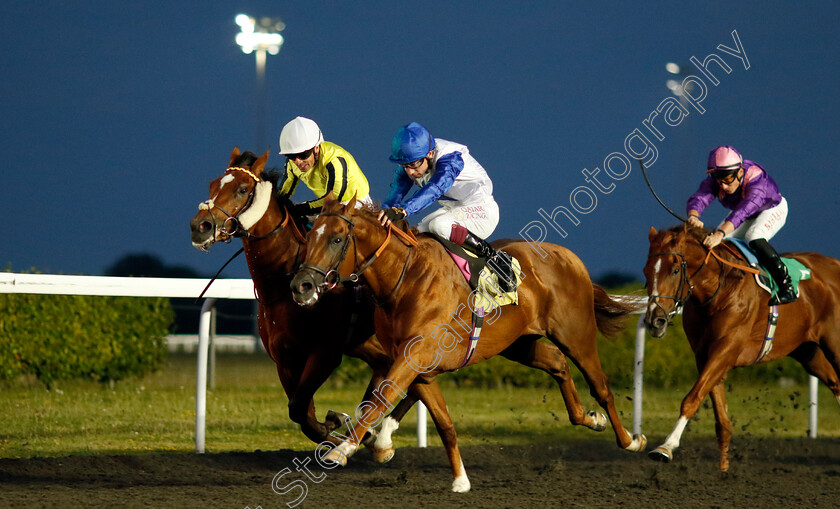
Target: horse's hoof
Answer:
pixel 370 439
pixel 335 457
pixel 638 444
pixel 461 484
pixel 599 420
pixel 383 455
pixel 661 454
pixel 335 420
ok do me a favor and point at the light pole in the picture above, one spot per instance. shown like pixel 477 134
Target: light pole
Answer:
pixel 260 36
pixel 675 85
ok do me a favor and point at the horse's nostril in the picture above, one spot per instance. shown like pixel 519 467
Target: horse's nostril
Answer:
pixel 205 226
pixel 659 322
pixel 305 287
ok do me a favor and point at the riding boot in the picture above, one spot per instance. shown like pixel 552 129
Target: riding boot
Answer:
pixel 771 261
pixel 499 261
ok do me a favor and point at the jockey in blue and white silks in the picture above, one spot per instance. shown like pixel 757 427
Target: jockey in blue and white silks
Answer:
pixel 447 173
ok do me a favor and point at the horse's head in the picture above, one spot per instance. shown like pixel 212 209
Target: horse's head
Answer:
pixel 238 200
pixel 326 263
pixel 666 277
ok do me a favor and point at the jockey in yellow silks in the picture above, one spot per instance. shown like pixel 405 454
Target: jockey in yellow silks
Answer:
pixel 321 165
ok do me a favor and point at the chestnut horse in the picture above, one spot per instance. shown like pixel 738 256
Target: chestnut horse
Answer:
pixel 725 318
pixel 307 345
pixel 424 311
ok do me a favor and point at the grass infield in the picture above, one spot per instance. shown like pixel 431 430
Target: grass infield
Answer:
pixel 246 411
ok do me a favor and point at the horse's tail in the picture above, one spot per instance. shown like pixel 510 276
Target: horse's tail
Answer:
pixel 611 314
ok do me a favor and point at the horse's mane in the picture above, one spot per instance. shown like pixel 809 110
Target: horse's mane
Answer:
pixel 698 234
pixel 372 210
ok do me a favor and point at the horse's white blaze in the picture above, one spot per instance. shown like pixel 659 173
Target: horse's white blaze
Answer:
pixel 838 400
pixel 225 179
pixel 262 198
pixel 318 232
pixel 673 440
pixel 654 290
pixel 389 425
pixel 461 484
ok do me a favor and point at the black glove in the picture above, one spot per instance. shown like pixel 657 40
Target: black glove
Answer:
pixel 395 213
pixel 301 209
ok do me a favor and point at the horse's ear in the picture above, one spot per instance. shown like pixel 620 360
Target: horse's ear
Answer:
pixel 259 164
pixel 329 200
pixel 351 205
pixel 652 234
pixel 233 156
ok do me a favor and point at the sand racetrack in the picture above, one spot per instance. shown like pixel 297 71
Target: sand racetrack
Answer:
pixel 592 473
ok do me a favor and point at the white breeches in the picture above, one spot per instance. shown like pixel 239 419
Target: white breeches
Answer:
pixel 764 225
pixel 479 218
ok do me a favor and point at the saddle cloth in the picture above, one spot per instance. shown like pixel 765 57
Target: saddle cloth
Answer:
pixel 797 271
pixel 481 277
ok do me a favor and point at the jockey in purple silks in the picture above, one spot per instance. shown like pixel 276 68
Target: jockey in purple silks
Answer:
pixel 758 211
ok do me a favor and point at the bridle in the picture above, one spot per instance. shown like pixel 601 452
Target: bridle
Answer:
pixel 685 279
pixel 685 283
pixel 332 277
pixel 232 226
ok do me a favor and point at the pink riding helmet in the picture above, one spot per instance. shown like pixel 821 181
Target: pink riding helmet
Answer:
pixel 724 158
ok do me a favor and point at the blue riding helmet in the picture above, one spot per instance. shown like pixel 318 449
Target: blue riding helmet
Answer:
pixel 411 143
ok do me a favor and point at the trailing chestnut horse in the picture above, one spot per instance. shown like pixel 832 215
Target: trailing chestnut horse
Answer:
pixel 725 318
pixel 307 344
pixel 424 314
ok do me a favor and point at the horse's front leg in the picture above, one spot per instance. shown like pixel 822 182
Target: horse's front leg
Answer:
pixel 371 411
pixel 383 447
pixel 719 362
pixel 315 370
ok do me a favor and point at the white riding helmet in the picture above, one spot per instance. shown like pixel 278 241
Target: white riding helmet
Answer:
pixel 299 135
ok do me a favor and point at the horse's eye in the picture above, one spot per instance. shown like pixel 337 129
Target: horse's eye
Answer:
pixel 336 240
pixel 243 189
pixel 675 272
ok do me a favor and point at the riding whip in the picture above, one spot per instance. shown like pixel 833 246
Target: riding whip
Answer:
pixel 644 173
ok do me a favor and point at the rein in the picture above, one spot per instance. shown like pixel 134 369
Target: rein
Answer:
pixel 727 262
pixel 332 277
pixel 685 279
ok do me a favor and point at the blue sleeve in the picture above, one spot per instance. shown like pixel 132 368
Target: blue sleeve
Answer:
pixel 400 186
pixel 447 169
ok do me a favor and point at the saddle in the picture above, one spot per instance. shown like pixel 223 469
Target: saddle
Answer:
pixel 797 271
pixel 481 277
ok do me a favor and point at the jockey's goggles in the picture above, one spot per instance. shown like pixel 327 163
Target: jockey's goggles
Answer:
pixel 413 165
pixel 301 155
pixel 725 174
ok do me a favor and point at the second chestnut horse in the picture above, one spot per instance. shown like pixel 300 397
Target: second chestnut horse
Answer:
pixel 424 307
